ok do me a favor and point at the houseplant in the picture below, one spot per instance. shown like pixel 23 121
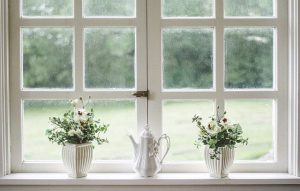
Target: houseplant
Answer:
pixel 76 131
pixel 220 138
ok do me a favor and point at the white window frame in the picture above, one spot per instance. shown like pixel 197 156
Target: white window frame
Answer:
pixel 78 22
pixel 219 93
pixel 293 161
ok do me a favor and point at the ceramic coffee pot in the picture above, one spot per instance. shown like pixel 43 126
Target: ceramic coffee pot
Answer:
pixel 146 160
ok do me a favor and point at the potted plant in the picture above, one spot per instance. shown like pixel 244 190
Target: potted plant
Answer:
pixel 220 138
pixel 76 131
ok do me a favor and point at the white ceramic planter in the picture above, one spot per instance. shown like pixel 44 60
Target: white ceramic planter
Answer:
pixel 77 159
pixel 219 168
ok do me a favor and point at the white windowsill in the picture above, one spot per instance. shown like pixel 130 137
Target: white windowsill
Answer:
pixel 161 179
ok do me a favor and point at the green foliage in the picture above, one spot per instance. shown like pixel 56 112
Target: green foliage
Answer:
pixel 218 133
pixel 76 127
pixel 188 58
pixel 47 57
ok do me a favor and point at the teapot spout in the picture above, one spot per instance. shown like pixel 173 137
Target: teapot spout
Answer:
pixel 135 145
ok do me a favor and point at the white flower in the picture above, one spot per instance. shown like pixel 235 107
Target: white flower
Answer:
pixel 58 130
pixel 224 120
pixel 73 132
pixel 213 127
pixel 80 115
pixel 75 102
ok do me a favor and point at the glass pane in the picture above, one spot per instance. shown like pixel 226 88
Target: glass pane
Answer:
pixel 47 57
pixel 109 8
pixel 249 58
pixel 177 123
pixel 256 119
pixel 188 8
pixel 110 58
pixel 121 115
pixel 47 8
pixel 36 121
pixel 249 8
pixel 188 58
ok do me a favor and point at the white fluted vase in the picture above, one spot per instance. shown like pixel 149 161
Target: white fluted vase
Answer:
pixel 77 158
pixel 219 168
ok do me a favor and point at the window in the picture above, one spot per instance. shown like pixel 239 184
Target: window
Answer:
pixel 192 55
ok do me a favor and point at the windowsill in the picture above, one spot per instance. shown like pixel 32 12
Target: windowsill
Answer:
pixel 161 179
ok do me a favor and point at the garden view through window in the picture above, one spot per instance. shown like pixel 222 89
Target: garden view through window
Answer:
pixel 101 58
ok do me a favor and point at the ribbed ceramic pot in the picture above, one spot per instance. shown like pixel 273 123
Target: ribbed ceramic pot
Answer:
pixel 77 158
pixel 219 168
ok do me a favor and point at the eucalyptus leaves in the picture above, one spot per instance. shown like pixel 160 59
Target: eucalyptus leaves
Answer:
pixel 77 126
pixel 218 133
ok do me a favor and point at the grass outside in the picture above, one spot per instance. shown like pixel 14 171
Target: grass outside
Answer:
pixel 255 116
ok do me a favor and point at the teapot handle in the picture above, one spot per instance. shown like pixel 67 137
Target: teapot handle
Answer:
pixel 167 138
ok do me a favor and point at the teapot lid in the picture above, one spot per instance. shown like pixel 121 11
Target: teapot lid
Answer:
pixel 147 132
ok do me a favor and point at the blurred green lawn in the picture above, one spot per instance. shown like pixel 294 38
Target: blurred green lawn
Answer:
pixel 255 116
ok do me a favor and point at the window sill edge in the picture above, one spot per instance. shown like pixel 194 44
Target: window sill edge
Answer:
pixel 118 179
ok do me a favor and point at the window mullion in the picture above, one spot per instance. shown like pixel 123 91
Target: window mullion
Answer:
pixel 78 57
pixel 219 56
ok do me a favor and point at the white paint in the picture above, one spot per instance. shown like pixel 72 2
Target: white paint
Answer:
pixel 4 91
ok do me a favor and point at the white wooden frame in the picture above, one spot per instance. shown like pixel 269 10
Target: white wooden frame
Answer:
pixel 78 23
pixel 4 91
pixel 294 134
pixel 279 93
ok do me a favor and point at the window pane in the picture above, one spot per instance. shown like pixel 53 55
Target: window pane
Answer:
pixel 110 58
pixel 121 115
pixel 47 8
pixel 188 58
pixel 249 58
pixel 249 8
pixel 256 119
pixel 108 8
pixel 177 123
pixel 36 121
pixel 47 57
pixel 188 8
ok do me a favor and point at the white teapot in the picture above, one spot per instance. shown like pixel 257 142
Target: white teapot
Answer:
pixel 146 160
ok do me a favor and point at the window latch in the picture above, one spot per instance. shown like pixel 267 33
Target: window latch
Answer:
pixel 141 94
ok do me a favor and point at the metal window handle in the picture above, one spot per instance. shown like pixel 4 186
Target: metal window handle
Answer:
pixel 141 94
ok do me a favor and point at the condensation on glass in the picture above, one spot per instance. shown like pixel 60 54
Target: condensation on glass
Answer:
pixel 187 8
pixel 249 8
pixel 120 114
pixel 257 120
pixel 110 58
pixel 188 58
pixel 47 57
pixel 109 8
pixel 177 123
pixel 47 8
pixel 249 59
